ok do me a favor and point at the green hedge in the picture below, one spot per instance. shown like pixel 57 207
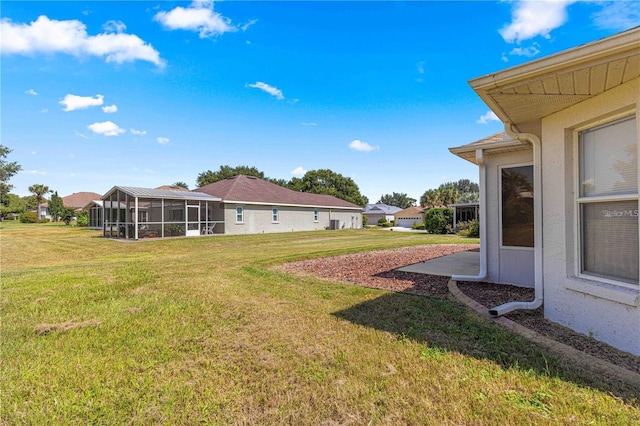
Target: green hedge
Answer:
pixel 438 220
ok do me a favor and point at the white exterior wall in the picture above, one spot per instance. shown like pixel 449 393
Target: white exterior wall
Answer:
pixel 505 265
pixel 258 219
pixel 605 311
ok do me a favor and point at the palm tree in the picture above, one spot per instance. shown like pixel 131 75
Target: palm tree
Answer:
pixel 39 191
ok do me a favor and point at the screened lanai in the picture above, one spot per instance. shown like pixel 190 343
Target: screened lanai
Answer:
pixel 135 213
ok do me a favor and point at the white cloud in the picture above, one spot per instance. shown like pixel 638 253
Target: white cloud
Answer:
pixel 74 102
pixel 273 91
pixel 246 26
pixel 77 133
pixel 35 172
pixel 358 145
pixel 138 132
pixel 529 52
pixel 532 18
pixel 489 116
pixel 618 15
pixel 114 26
pixel 34 152
pixel 44 110
pixel 46 35
pixel 420 67
pixel 298 171
pixel 162 140
pixel 304 123
pixel 110 109
pixel 106 128
pixel 31 92
pixel 150 171
pixel 199 16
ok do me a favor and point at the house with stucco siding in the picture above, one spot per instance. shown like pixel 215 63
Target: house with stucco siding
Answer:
pixel 559 187
pixel 250 205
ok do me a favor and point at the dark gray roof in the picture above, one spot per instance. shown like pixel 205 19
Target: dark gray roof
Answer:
pixel 162 193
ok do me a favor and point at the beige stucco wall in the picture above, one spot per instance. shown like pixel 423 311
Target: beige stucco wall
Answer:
pixel 505 265
pixel 605 311
pixel 258 219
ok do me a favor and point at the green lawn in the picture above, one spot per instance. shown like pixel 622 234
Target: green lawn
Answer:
pixel 202 330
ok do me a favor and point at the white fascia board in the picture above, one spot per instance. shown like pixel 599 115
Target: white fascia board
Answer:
pixel 597 50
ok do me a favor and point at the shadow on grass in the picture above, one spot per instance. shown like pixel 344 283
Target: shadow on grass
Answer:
pixel 448 326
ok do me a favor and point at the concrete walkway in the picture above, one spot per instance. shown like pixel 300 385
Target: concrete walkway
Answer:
pixel 461 263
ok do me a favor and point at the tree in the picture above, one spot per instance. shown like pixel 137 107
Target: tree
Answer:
pixel 68 214
pixel 325 181
pixel 205 178
pixel 181 185
pixel 431 198
pixel 397 199
pixel 56 207
pixel 39 191
pixel 7 170
pixel 14 204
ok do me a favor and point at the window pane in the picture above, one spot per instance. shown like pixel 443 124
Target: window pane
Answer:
pixel 517 206
pixel 610 239
pixel 609 159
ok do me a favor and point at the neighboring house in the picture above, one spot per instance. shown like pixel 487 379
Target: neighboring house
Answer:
pixel 407 217
pixel 44 212
pixel 559 190
pixel 464 212
pixel 379 211
pixel 95 211
pixel 78 200
pixel 254 206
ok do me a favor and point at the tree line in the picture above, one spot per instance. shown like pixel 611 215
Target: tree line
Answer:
pixel 321 181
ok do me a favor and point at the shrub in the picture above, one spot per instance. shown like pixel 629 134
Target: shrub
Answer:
pixel 417 225
pixel 387 225
pixel 29 217
pixel 469 229
pixel 82 219
pixel 438 220
pixel 381 221
pixel 365 219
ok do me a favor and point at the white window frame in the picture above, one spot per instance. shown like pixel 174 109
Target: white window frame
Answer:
pixel 239 212
pixel 500 168
pixel 275 215
pixel 316 216
pixel 579 200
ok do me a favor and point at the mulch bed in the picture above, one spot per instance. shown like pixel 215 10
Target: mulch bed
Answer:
pixel 378 269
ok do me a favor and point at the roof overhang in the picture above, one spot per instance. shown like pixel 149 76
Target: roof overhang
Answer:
pixel 523 95
pixel 495 144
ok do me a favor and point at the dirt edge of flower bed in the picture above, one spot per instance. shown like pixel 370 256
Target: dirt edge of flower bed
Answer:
pixel 590 362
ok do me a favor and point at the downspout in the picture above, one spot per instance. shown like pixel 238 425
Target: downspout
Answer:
pixel 482 274
pixel 537 215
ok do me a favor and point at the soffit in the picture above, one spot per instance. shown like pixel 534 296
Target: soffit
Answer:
pixel 524 95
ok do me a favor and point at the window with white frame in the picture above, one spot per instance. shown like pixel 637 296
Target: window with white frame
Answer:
pixel 607 202
pixel 517 206
pixel 239 214
pixel 315 215
pixel 274 215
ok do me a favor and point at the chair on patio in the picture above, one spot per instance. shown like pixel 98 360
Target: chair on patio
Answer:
pixel 208 230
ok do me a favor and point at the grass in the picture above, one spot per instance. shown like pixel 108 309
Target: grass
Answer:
pixel 203 330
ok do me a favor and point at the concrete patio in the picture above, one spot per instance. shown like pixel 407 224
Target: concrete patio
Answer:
pixel 461 263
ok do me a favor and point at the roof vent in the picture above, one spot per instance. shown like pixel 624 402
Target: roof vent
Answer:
pixel 251 177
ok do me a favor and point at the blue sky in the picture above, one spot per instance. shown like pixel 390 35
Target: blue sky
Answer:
pixel 147 93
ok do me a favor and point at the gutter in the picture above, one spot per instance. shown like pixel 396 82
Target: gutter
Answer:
pixel 537 214
pixel 482 274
